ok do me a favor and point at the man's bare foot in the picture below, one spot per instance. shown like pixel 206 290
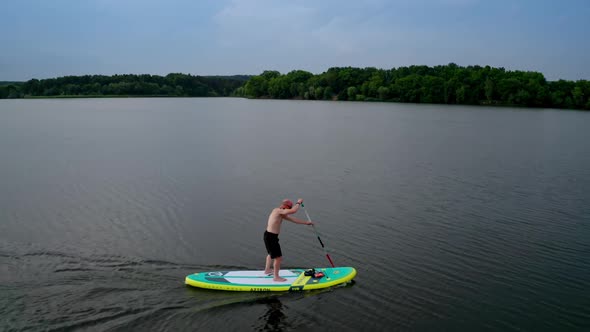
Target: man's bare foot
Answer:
pixel 279 279
pixel 267 271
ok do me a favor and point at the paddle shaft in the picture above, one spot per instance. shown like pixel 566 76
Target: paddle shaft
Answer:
pixel 318 235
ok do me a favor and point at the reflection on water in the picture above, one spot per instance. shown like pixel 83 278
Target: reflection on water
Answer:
pixel 261 311
pixel 274 319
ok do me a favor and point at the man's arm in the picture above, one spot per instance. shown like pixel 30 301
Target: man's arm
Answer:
pixel 298 221
pixel 293 209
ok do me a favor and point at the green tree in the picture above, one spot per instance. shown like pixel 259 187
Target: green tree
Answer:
pixel 256 87
pixel 489 90
pixel 383 93
pixel 578 97
pixel 319 92
pixel 351 93
pixel 460 93
pixel 328 93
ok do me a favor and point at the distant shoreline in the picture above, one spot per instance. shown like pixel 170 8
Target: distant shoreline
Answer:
pixel 94 96
pixel 448 84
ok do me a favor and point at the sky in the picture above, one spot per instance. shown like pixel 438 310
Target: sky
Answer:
pixel 52 38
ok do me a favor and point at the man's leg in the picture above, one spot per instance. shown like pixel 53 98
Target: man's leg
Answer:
pixel 277 267
pixel 267 266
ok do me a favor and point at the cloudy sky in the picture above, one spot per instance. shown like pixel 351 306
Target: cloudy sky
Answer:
pixel 50 38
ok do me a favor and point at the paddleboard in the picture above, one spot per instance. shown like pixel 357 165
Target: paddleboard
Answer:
pixel 258 281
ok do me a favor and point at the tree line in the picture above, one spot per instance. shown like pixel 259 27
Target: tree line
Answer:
pixel 172 85
pixel 447 84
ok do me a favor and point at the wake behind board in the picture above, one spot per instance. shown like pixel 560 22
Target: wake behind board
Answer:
pixel 257 281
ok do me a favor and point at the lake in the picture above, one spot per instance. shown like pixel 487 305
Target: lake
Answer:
pixel 456 218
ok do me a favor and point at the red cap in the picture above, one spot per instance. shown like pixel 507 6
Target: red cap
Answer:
pixel 288 203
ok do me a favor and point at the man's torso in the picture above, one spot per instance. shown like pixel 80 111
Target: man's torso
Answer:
pixel 274 221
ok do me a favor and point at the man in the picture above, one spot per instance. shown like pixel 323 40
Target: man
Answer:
pixel 271 235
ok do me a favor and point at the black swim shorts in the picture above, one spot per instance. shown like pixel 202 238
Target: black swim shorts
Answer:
pixel 271 241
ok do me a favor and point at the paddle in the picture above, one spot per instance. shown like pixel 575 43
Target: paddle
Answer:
pixel 318 235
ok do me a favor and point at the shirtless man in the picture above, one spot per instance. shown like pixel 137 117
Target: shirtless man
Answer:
pixel 271 235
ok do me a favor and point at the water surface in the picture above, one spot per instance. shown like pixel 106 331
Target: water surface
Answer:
pixel 456 218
